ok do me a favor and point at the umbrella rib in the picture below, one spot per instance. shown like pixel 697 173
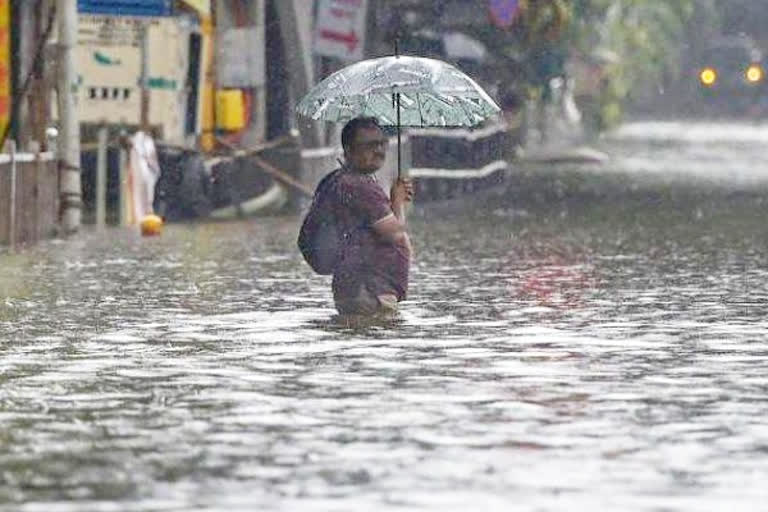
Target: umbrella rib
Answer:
pixel 421 112
pixel 468 112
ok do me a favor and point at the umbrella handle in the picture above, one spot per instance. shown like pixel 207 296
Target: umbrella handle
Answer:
pixel 399 160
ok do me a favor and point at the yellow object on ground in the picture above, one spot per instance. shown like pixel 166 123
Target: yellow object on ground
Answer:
pixel 230 110
pixel 151 225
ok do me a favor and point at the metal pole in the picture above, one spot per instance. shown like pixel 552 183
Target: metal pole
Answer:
pixel 397 114
pixel 295 18
pixel 397 96
pixel 69 142
pixel 144 121
pixel 12 215
pixel 101 178
pixel 122 179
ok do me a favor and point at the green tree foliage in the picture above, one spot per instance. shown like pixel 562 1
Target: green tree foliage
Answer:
pixel 646 38
pixel 639 43
pixel 531 51
pixel 646 35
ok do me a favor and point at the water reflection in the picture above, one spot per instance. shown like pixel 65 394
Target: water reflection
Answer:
pixel 582 353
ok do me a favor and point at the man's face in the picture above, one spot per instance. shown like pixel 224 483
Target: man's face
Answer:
pixel 367 151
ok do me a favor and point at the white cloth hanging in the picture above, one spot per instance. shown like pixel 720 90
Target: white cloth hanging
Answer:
pixel 144 170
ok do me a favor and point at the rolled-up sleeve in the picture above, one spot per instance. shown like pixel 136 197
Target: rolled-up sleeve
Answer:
pixel 365 198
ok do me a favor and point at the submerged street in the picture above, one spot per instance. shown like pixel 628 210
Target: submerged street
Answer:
pixel 589 337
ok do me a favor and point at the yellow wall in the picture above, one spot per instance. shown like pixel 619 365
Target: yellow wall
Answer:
pixel 207 138
pixel 5 65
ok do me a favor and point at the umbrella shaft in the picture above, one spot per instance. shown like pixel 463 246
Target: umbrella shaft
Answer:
pixel 397 95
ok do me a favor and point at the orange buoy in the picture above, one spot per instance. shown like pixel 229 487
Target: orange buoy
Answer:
pixel 151 225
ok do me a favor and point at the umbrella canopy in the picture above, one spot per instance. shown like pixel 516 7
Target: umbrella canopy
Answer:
pixel 431 93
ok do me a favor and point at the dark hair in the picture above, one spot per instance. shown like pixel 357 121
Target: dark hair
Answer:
pixel 350 129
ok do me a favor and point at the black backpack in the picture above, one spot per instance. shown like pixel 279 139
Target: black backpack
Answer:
pixel 319 238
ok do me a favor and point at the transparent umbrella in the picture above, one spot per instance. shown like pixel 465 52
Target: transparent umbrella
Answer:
pixel 400 91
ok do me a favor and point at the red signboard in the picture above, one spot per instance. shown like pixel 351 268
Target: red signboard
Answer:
pixel 340 29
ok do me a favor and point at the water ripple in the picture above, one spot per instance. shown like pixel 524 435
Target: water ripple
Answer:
pixel 595 360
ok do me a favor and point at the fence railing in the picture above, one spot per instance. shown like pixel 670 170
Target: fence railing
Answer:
pixel 29 197
pixel 443 163
pixel 449 163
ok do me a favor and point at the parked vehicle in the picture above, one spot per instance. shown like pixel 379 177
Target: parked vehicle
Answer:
pixel 729 76
pixel 192 187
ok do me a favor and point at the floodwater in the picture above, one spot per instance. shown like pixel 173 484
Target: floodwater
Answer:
pixel 589 339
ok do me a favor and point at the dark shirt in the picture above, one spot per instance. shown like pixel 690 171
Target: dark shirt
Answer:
pixel 366 259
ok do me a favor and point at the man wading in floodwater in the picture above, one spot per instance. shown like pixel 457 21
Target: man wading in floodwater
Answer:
pixel 357 233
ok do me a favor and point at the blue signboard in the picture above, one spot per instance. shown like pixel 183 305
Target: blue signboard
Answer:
pixel 126 7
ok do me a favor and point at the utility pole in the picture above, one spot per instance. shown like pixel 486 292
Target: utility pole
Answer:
pixel 238 22
pixel 40 98
pixel 144 119
pixel 69 140
pixel 295 18
pixel 258 128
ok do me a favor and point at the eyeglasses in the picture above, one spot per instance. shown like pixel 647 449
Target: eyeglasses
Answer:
pixel 372 144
